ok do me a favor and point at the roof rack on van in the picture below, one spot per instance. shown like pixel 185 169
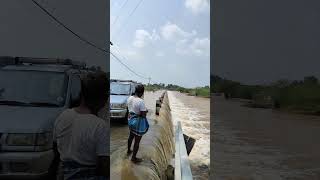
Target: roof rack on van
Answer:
pixel 120 80
pixel 9 60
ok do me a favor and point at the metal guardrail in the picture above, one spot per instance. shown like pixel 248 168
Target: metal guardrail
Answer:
pixel 182 166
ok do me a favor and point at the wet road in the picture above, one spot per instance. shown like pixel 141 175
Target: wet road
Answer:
pixel 263 144
pixel 119 131
pixel 154 162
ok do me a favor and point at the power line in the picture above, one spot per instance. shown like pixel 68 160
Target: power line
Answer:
pixel 124 57
pixel 119 13
pixel 67 28
pixel 130 15
pixel 127 66
pixel 83 39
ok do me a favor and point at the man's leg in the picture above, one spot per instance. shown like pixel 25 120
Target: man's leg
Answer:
pixel 136 148
pixel 130 139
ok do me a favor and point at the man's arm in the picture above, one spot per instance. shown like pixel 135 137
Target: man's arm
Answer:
pixel 143 109
pixel 55 149
pixel 103 166
pixel 102 148
pixel 53 170
pixel 143 113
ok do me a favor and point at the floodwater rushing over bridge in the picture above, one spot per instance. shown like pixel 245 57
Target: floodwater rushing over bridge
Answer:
pixel 194 115
pixel 157 146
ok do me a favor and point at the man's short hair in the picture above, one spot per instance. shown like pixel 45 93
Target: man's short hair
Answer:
pixel 139 89
pixel 95 87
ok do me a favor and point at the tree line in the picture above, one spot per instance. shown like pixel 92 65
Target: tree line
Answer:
pixel 198 91
pixel 297 95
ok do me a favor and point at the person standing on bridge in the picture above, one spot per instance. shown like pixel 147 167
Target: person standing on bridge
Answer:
pixel 138 123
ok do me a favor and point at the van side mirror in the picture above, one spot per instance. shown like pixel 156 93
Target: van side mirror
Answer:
pixel 75 91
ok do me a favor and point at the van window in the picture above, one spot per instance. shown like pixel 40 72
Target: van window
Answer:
pixel 32 88
pixel 117 88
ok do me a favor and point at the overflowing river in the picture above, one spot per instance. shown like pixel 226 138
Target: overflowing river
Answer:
pixel 194 114
pixel 263 144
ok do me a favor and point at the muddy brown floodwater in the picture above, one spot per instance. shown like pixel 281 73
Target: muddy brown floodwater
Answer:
pixel 263 144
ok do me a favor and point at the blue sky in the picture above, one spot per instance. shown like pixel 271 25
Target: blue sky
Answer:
pixel 167 40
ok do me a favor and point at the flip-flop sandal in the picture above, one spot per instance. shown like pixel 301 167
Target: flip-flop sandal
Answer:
pixel 129 153
pixel 137 160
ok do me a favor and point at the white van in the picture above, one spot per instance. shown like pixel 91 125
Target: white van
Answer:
pixel 33 92
pixel 120 91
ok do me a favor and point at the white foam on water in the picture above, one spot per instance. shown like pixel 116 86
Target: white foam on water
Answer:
pixel 193 126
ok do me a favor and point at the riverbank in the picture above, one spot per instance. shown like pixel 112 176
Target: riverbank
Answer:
pixel 299 96
pixel 199 91
pixel 290 109
pixel 303 110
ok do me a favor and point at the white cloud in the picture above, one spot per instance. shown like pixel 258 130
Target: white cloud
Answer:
pixel 133 55
pixel 173 32
pixel 198 6
pixel 130 53
pixel 112 18
pixel 186 42
pixel 182 47
pixel 160 54
pixel 196 47
pixel 143 37
pixel 127 54
pixel 201 46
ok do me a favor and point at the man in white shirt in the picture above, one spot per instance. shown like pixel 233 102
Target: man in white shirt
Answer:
pixel 137 122
pixel 129 105
pixel 81 137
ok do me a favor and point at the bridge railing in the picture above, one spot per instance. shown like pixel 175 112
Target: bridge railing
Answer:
pixel 182 165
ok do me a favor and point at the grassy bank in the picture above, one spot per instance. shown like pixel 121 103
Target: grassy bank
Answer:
pixel 202 92
pixel 199 91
